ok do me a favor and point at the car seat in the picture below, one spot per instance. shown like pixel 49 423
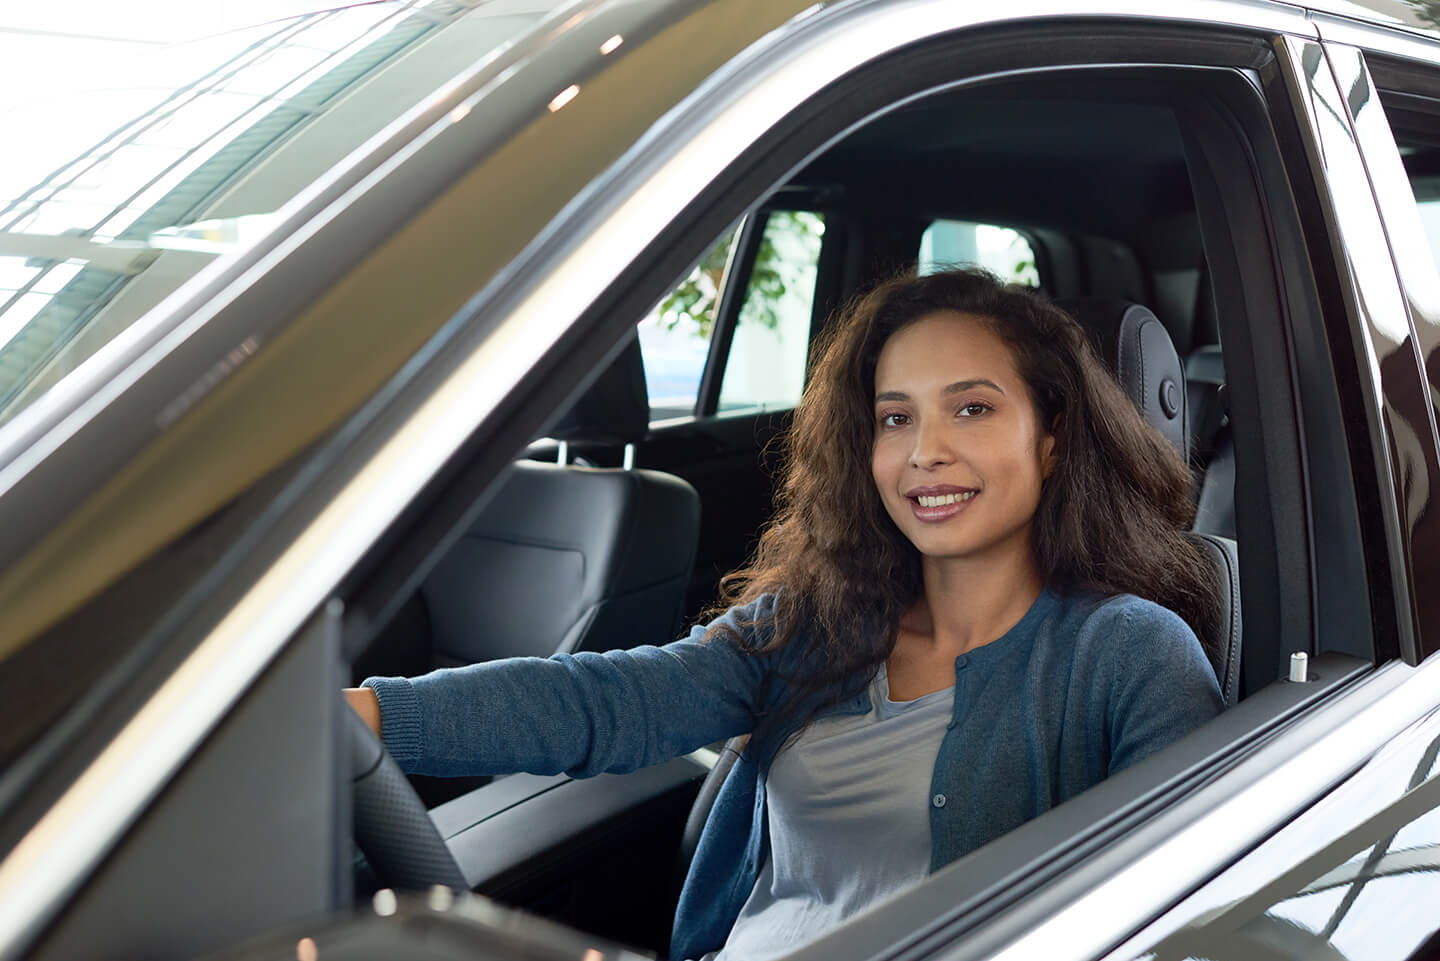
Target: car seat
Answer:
pixel 567 558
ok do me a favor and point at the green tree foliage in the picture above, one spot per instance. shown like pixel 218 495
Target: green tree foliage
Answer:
pixel 696 298
pixel 1428 11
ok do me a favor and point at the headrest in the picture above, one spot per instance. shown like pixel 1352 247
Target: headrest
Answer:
pixel 1138 349
pixel 615 408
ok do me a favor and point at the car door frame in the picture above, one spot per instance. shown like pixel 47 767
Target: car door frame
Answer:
pixel 478 395
pixel 1161 807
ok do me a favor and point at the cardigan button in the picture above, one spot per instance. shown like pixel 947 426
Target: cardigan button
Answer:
pixel 938 800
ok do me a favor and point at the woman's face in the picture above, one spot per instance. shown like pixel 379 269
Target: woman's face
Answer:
pixel 959 452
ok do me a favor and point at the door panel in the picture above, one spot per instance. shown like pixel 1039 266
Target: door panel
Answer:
pixel 253 832
pixel 597 853
pixel 1351 878
pixel 731 461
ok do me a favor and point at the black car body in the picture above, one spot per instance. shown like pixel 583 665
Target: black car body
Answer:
pixel 217 516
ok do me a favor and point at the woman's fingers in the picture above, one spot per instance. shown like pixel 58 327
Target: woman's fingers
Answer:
pixel 364 703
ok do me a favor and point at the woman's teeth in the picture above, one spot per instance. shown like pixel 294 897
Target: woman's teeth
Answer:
pixel 940 500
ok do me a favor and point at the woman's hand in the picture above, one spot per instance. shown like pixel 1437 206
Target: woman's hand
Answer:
pixel 366 704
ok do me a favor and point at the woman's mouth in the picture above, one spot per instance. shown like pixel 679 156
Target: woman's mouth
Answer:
pixel 940 506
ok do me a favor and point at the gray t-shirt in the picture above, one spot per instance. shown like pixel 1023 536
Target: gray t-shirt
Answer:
pixel 849 810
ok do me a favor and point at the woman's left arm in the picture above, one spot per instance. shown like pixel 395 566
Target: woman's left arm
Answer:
pixel 1162 684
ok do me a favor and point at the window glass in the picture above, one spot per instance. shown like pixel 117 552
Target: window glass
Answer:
pixel 1427 197
pixel 954 243
pixel 766 364
pixel 675 336
pixel 125 191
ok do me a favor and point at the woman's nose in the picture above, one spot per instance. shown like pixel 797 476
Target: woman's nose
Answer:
pixel 931 449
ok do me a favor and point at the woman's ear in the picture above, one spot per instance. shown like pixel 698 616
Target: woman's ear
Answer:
pixel 1047 448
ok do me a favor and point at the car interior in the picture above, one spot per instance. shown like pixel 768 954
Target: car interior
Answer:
pixel 1153 202
pixel 614 528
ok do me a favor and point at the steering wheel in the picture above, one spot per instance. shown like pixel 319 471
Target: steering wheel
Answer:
pixel 392 827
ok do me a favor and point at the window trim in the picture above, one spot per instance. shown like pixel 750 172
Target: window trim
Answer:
pixel 383 484
pixel 733 286
pixel 1419 278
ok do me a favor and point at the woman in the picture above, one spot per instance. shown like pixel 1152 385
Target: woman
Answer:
pixel 975 602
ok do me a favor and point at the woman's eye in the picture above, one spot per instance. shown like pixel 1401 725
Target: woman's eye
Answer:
pixel 893 420
pixel 974 409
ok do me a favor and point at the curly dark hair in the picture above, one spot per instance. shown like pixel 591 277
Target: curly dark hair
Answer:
pixel 1112 514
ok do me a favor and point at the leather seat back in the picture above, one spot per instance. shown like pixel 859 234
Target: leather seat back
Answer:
pixel 1225 558
pixel 1138 350
pixel 566 558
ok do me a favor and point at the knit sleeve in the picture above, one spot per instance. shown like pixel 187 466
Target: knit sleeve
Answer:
pixel 1161 684
pixel 584 714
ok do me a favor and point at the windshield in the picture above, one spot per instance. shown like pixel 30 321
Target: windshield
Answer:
pixel 158 136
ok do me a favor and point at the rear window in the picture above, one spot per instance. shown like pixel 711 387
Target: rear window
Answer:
pixel 965 243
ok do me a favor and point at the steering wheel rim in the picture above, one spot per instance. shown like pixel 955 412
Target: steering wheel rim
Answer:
pixel 390 823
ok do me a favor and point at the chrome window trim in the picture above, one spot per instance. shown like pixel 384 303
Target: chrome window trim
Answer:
pixel 1394 42
pixel 732 110
pixel 1372 289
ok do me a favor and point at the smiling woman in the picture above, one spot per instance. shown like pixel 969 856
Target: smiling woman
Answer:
pixel 941 442
pixel 921 627
pixel 954 383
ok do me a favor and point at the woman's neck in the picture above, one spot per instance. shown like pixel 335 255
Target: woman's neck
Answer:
pixel 970 602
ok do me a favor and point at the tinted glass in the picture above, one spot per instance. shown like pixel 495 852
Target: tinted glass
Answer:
pixel 953 243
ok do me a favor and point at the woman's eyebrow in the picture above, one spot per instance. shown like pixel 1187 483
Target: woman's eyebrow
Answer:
pixel 962 385
pixel 955 388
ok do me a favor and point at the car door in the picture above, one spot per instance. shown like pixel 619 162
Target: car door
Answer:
pixel 1324 568
pixel 352 521
pixel 1347 878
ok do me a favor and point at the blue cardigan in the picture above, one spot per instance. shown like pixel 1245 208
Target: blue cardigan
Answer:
pixel 1080 688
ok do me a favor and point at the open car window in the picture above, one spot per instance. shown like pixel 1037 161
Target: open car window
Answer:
pixel 1158 231
pixel 1177 172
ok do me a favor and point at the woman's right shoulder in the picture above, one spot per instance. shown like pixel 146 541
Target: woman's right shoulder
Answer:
pixel 749 626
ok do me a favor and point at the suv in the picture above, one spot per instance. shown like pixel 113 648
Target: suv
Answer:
pixel 274 417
